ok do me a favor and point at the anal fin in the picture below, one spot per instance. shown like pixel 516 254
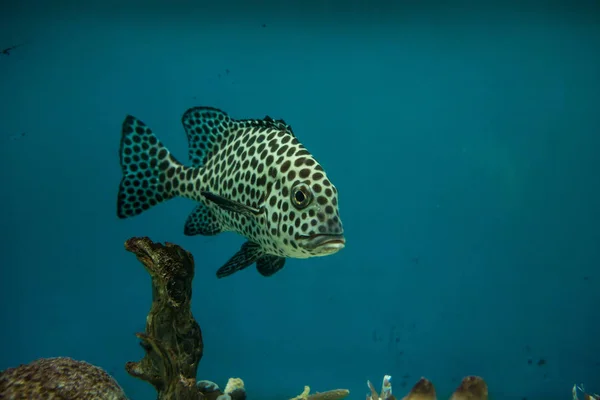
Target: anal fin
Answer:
pixel 246 256
pixel 269 264
pixel 202 221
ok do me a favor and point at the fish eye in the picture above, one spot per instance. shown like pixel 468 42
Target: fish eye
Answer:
pixel 301 196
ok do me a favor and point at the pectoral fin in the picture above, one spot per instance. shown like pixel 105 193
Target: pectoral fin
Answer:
pixel 231 205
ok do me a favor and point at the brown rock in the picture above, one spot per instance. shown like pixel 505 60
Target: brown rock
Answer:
pixel 471 388
pixel 58 378
pixel 422 390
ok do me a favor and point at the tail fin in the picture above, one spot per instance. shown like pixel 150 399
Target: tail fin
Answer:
pixel 147 169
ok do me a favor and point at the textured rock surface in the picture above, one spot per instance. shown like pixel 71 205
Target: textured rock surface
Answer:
pixel 58 378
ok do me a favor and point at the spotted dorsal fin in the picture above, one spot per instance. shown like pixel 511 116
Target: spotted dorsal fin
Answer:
pixel 279 124
pixel 205 128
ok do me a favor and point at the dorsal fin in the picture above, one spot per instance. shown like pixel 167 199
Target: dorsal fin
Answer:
pixel 279 124
pixel 205 127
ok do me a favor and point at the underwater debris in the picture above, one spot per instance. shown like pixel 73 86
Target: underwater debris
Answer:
pixel 8 50
pixel 335 394
pixel 422 390
pixel 374 395
pixel 586 396
pixel 234 390
pixel 58 378
pixel 471 388
pixel 386 389
pixel 17 136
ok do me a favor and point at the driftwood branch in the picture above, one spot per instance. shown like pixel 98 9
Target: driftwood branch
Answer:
pixel 173 339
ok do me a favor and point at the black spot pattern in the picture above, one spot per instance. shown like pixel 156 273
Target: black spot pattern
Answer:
pixel 258 163
pixel 206 128
pixel 144 162
pixel 202 222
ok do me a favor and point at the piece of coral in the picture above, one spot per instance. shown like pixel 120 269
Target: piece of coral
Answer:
pixel 422 390
pixel 586 396
pixel 471 388
pixel 234 390
pixel 335 394
pixel 386 390
pixel 58 378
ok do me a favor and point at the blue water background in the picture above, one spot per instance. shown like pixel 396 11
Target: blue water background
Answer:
pixel 463 140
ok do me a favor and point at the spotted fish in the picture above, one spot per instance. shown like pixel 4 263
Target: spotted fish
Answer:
pixel 248 176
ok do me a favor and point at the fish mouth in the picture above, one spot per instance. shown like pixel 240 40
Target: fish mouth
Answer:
pixel 323 243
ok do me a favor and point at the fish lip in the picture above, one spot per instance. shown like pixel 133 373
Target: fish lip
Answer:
pixel 328 242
